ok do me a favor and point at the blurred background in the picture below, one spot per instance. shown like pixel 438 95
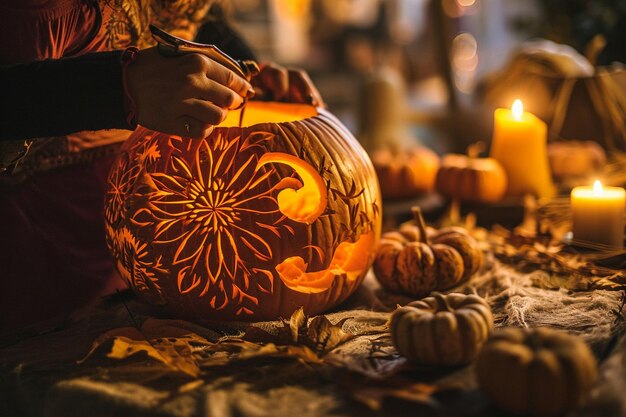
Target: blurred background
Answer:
pixel 419 80
pixel 427 57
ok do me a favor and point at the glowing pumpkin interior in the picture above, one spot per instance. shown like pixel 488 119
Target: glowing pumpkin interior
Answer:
pixel 251 222
pixel 257 112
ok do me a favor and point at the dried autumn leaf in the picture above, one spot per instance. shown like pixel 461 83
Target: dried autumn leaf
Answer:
pixel 297 324
pixel 127 341
pixel 319 334
pixel 381 360
pixel 304 354
pixel 324 336
pixel 255 334
pixel 162 340
pixel 373 394
pixel 190 386
pixel 374 397
pixel 241 350
pixel 290 333
pixel 614 282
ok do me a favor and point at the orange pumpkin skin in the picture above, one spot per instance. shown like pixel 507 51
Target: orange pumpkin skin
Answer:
pixel 575 159
pixel 249 223
pixel 471 179
pixel 415 260
pixel 406 174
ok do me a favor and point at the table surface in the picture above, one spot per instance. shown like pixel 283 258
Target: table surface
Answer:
pixel 41 374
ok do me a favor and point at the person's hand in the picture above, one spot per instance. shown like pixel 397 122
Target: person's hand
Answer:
pixel 277 83
pixel 186 95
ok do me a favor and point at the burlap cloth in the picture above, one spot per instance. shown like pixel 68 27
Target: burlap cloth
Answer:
pixel 364 376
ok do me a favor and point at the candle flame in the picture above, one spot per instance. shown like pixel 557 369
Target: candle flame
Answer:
pixel 517 109
pixel 597 187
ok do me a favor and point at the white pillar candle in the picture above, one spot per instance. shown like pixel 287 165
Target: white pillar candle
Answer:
pixel 598 214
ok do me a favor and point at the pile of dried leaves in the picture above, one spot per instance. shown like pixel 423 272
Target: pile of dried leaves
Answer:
pixel 532 252
pixel 180 346
pixel 356 351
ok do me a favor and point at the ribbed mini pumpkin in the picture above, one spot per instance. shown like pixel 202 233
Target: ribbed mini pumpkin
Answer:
pixel 415 262
pixel 271 212
pixel 575 160
pixel 540 371
pixel 470 178
pixel 406 173
pixel 443 330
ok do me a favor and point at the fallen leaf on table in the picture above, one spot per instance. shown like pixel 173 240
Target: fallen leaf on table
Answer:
pixel 616 281
pixel 298 338
pixel 177 344
pixel 380 360
pixel 190 386
pixel 318 333
pixel 373 394
pixel 292 331
pixel 297 325
pixel 237 349
pixel 323 336
pixel 166 341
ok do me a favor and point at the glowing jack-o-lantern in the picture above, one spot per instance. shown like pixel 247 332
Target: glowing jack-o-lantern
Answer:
pixel 249 223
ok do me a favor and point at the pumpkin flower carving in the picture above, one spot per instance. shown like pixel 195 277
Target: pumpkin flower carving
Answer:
pixel 120 182
pixel 124 175
pixel 201 205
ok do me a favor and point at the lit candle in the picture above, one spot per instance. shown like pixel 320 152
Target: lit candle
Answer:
pixel 519 144
pixel 598 214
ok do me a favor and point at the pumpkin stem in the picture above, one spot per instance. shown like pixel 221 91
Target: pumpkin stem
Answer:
pixel 594 47
pixel 419 219
pixel 475 149
pixel 442 302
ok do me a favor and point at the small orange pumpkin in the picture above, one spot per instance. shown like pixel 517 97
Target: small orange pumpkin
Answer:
pixel 574 159
pixel 469 178
pixel 405 173
pixel 414 262
pixel 442 329
pixel 540 371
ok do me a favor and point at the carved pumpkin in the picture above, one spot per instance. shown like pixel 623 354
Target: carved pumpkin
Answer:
pixel 539 371
pixel 469 178
pixel 575 159
pixel 442 329
pixel 406 173
pixel 410 261
pixel 251 222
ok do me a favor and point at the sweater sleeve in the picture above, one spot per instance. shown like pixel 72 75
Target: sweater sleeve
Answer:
pixel 62 96
pixel 216 30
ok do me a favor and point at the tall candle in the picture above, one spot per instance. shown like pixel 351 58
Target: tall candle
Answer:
pixel 520 145
pixel 598 214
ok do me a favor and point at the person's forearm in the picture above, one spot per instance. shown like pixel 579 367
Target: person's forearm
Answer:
pixel 57 97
